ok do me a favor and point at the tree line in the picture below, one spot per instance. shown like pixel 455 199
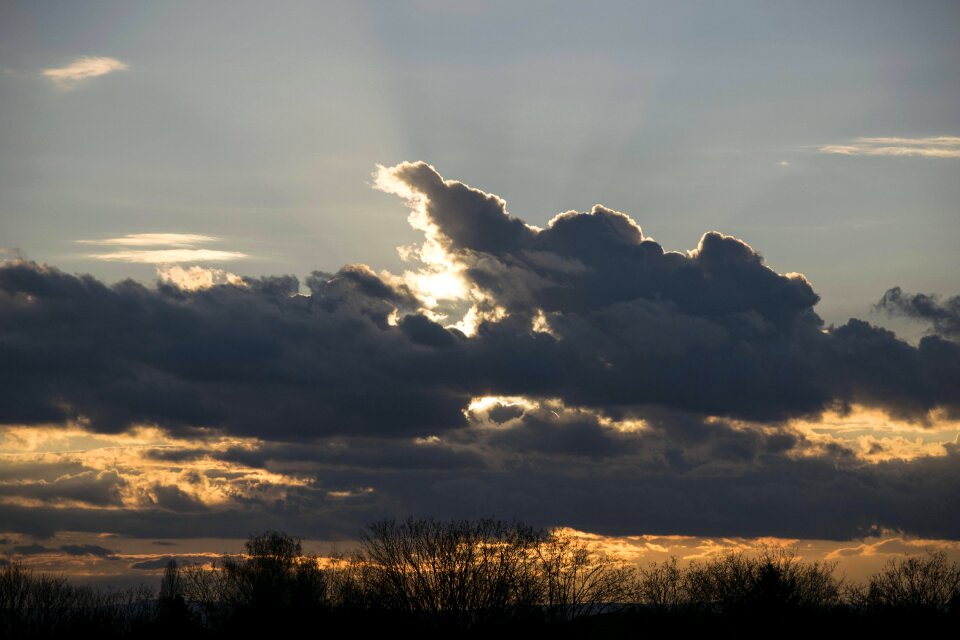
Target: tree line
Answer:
pixel 474 577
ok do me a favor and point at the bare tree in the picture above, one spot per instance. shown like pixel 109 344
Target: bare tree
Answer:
pixel 273 584
pixel 577 582
pixel 41 605
pixel 662 586
pixel 914 584
pixel 773 580
pixel 456 573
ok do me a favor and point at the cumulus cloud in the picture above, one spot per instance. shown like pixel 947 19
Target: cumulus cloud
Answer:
pixel 931 147
pixel 593 379
pixel 82 69
pixel 196 277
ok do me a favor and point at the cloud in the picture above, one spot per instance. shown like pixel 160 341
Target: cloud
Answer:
pixel 31 549
pixel 69 549
pixel 579 374
pixel 87 487
pixel 82 69
pixel 623 324
pixel 765 493
pixel 931 147
pixel 153 239
pixel 180 247
pixel 167 256
pixel 944 315
pixel 185 560
pixel 86 550
pixel 197 277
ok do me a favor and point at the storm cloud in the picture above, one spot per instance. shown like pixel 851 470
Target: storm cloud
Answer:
pixel 660 381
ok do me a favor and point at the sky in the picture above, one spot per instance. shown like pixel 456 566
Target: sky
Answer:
pixel 639 269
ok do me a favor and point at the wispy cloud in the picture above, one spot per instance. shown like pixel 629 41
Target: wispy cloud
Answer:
pixel 931 147
pixel 153 240
pixel 168 256
pixel 83 68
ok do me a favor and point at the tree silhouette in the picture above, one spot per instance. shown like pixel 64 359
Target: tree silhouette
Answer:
pixel 37 605
pixel 272 585
pixel 773 582
pixel 913 585
pixel 172 610
pixel 471 576
pixel 662 586
pixel 452 574
pixel 576 582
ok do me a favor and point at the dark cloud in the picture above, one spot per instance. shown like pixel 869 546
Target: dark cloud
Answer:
pixel 658 388
pixel 944 315
pixel 755 490
pixel 151 565
pixel 244 359
pixel 501 412
pixel 97 488
pixel 86 550
pixel 872 366
pixel 359 452
pixel 715 332
pixel 31 549
pixel 68 549
pixel 161 563
pixel 175 499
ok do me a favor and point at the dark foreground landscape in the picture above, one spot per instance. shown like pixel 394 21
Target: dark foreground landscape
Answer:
pixel 479 577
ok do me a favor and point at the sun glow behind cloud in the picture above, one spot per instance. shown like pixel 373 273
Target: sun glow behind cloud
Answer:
pixel 440 279
pixel 440 283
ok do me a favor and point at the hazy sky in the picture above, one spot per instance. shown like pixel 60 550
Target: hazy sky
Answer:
pixel 261 125
pixel 619 370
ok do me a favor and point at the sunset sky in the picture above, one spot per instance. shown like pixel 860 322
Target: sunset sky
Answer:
pixel 678 276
